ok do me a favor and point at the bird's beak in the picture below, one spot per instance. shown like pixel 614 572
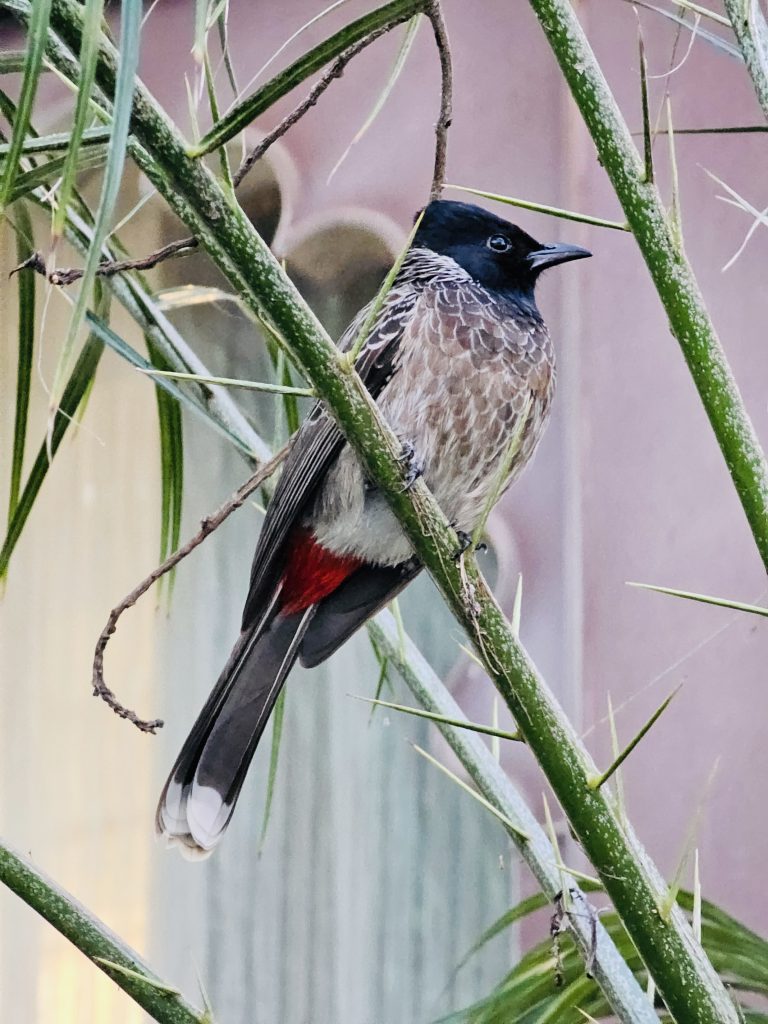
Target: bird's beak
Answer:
pixel 551 255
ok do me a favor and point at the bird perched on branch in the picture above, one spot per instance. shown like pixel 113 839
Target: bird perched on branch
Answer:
pixel 461 365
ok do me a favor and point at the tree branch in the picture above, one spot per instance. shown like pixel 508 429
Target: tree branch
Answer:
pixel 93 938
pixel 749 27
pixel 207 526
pixel 108 268
pixel 435 15
pixel 667 263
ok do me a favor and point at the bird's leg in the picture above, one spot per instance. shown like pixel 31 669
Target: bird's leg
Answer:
pixel 465 543
pixel 414 468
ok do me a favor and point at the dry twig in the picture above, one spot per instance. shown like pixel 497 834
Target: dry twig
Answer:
pixel 207 527
pixel 66 276
pixel 108 268
pixel 435 15
pixel 336 70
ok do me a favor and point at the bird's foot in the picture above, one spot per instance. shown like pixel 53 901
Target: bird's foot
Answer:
pixel 465 543
pixel 413 467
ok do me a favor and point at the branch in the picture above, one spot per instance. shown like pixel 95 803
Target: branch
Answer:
pixel 435 15
pixel 92 937
pixel 749 27
pixel 63 277
pixel 207 526
pixel 667 263
pixel 609 968
pixel 336 70
pixel 108 268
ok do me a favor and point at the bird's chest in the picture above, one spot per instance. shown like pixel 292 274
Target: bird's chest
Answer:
pixel 462 398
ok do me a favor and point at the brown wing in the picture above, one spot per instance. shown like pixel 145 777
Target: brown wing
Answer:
pixel 316 446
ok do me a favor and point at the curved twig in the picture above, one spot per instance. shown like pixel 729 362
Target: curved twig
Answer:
pixel 434 12
pixel 207 527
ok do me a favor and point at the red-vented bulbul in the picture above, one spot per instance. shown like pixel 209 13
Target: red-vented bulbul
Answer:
pixel 457 356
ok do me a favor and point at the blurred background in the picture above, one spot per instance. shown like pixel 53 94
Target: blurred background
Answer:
pixel 376 873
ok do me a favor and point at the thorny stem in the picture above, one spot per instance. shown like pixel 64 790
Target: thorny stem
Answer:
pixel 663 252
pixel 749 27
pixel 207 526
pixel 93 938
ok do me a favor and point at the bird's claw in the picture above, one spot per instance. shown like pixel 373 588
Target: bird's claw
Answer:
pixel 465 543
pixel 413 468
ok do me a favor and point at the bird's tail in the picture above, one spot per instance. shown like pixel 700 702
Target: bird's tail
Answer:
pixel 200 795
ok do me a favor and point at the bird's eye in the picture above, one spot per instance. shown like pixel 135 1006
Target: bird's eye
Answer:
pixel 499 243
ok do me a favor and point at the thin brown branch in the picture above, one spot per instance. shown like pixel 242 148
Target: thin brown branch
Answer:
pixel 108 268
pixel 67 276
pixel 336 70
pixel 434 12
pixel 207 527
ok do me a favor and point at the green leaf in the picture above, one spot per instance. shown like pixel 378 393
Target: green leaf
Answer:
pixel 60 141
pixel 551 211
pixel 37 34
pixel 43 174
pixel 528 993
pixel 710 37
pixel 720 602
pixel 402 56
pixel 26 287
pixel 241 115
pixel 236 382
pixel 77 386
pixel 127 352
pixel 278 717
pixel 89 51
pixel 171 430
pixel 130 27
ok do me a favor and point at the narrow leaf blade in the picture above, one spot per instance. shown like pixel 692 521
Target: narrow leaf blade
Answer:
pixel 36 39
pixel 26 287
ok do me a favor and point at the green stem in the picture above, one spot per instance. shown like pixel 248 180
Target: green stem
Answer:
pixel 678 964
pixel 610 970
pixel 749 27
pixel 92 937
pixel 667 263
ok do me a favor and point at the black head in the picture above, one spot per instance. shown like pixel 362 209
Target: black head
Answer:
pixel 497 254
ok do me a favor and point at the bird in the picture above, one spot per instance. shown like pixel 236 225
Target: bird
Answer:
pixel 461 365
